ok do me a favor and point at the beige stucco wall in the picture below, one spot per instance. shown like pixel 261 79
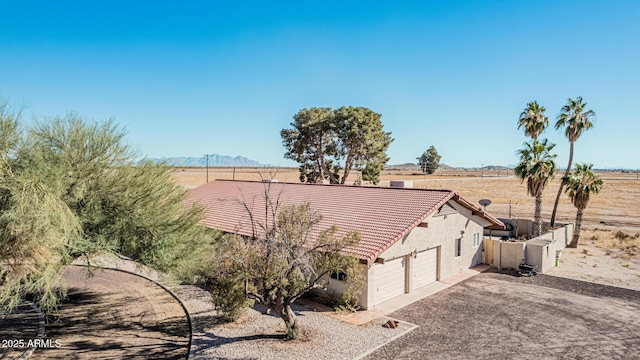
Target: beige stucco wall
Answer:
pixel 543 256
pixel 441 231
pixel 338 287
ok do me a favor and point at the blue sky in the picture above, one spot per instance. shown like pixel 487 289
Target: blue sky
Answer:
pixel 189 78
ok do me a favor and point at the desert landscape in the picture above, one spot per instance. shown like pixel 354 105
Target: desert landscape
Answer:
pixel 609 248
pixel 615 208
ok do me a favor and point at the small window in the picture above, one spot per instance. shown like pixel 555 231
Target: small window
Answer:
pixel 458 247
pixel 339 276
pixel 476 239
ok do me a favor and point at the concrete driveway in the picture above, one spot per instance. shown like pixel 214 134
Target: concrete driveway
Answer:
pixel 500 316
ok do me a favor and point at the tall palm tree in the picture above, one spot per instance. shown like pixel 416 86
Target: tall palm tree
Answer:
pixel 538 168
pixel 581 183
pixel 575 119
pixel 533 120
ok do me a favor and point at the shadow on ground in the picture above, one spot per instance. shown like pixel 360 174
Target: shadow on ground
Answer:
pixel 115 315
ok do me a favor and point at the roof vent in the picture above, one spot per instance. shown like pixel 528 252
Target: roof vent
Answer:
pixel 270 180
pixel 401 183
pixel 322 181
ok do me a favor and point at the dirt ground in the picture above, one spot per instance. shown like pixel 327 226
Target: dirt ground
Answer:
pixel 116 315
pixel 19 325
pixel 501 316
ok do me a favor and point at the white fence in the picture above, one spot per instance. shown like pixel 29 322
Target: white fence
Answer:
pixel 541 251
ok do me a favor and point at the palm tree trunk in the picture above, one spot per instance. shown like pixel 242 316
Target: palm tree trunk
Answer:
pixel 566 173
pixel 576 231
pixel 538 214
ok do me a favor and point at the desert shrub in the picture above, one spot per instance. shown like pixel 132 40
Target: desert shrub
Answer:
pixel 620 235
pixel 293 332
pixel 336 302
pixel 229 299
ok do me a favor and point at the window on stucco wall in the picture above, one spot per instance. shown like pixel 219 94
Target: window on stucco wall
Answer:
pixel 476 239
pixel 458 251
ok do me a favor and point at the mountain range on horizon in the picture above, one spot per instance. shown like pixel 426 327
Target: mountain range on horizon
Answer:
pixel 214 160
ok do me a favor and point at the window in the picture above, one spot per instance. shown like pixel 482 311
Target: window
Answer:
pixel 476 239
pixel 458 247
pixel 339 276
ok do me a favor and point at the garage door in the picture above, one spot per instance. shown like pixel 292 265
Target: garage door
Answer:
pixel 388 279
pixel 425 268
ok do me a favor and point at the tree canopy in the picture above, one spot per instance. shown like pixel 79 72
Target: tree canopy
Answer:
pixel 329 143
pixel 580 185
pixel 286 257
pixel 537 167
pixel 429 161
pixel 70 188
pixel 575 119
pixel 533 120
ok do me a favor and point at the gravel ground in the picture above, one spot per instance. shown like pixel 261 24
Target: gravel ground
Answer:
pixel 259 336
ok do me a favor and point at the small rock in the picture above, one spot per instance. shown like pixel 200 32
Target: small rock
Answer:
pixel 391 324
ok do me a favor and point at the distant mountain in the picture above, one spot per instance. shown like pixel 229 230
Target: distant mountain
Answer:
pixel 412 166
pixel 405 166
pixel 497 167
pixel 214 160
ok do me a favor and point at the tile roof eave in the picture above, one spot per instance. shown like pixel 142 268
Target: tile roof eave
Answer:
pixel 466 203
pixel 406 231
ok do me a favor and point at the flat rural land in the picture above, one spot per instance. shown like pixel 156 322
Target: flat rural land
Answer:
pixel 615 208
pixel 609 247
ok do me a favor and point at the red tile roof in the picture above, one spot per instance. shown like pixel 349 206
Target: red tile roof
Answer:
pixel 382 216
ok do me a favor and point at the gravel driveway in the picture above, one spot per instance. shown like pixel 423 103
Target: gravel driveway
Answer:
pixel 499 316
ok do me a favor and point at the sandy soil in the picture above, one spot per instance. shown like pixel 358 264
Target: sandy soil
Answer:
pixel 597 265
pixel 115 315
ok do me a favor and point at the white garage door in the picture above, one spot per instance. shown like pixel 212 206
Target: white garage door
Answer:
pixel 425 268
pixel 388 279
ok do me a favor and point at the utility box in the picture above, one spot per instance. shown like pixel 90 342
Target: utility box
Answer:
pixel 540 252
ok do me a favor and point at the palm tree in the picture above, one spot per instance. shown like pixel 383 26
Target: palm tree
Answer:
pixel 581 183
pixel 575 119
pixel 538 168
pixel 533 120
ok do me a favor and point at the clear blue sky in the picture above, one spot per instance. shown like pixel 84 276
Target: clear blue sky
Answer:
pixel 189 78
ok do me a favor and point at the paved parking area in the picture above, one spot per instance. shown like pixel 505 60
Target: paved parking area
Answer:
pixel 500 316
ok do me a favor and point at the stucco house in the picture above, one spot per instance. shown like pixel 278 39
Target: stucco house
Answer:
pixel 409 237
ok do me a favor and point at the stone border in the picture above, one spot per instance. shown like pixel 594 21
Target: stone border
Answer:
pixel 370 351
pixel 27 354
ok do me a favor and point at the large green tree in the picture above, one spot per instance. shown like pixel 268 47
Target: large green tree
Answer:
pixel 533 120
pixel 286 257
pixel 580 185
pixel 70 188
pixel 429 161
pixel 537 167
pixel 575 119
pixel 330 143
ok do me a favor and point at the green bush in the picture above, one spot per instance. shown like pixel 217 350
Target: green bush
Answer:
pixel 229 299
